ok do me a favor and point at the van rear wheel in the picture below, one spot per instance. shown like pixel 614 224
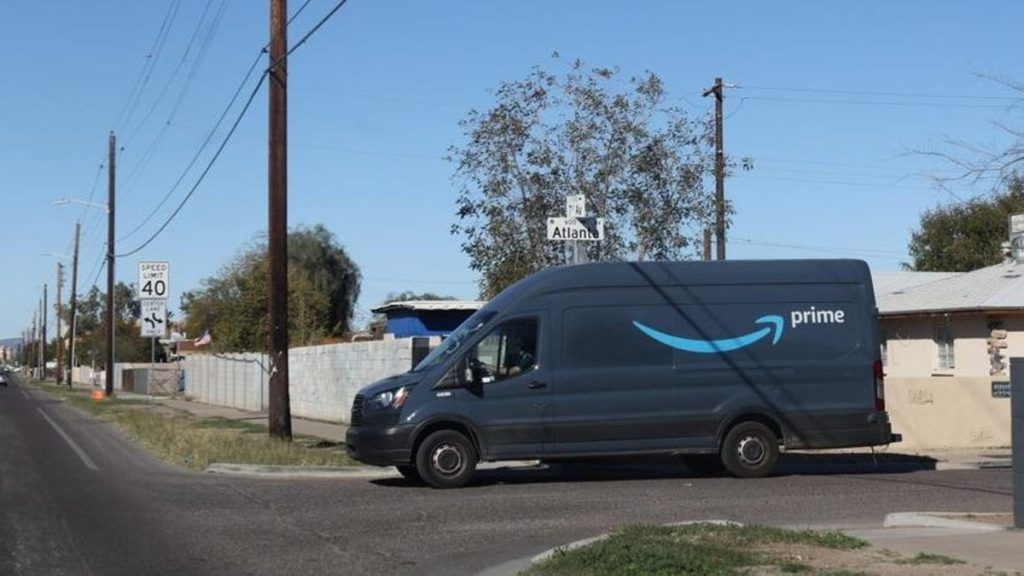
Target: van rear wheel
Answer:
pixel 446 459
pixel 750 450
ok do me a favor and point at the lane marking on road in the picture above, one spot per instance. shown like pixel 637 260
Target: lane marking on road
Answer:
pixel 25 394
pixel 81 453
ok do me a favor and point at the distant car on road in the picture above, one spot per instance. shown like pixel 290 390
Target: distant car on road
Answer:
pixel 3 377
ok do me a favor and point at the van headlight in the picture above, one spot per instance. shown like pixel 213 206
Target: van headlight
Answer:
pixel 390 399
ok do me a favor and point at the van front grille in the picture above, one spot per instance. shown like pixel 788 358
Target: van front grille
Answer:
pixel 357 411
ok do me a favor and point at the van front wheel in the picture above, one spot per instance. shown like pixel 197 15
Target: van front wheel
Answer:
pixel 750 450
pixel 446 459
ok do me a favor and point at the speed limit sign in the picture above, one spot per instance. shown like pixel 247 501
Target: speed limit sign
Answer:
pixel 154 279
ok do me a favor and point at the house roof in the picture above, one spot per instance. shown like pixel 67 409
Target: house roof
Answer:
pixel 431 305
pixel 998 287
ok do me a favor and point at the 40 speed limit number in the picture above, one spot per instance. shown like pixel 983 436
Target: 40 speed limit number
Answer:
pixel 154 279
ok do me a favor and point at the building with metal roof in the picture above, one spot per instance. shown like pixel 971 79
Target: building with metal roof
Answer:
pixel 426 317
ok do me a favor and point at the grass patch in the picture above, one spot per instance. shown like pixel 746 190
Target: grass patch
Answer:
pixel 183 439
pixel 693 549
pixel 926 558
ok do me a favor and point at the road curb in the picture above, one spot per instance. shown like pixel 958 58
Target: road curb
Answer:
pixel 937 520
pixel 267 470
pixel 368 472
pixel 587 541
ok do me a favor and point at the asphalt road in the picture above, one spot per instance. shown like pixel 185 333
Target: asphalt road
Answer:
pixel 78 498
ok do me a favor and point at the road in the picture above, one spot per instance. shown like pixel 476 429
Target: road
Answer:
pixel 78 498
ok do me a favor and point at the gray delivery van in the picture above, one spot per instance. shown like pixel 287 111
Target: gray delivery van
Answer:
pixel 715 360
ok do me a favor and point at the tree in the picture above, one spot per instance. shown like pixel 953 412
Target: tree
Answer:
pixel 641 164
pixel 323 285
pixel 967 236
pixel 91 328
pixel 409 296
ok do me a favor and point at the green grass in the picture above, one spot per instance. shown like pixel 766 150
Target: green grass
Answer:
pixel 185 440
pixel 926 558
pixel 695 549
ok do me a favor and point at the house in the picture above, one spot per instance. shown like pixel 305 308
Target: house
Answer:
pixel 426 317
pixel 946 343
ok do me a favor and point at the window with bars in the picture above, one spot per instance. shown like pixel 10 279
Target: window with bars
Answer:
pixel 945 341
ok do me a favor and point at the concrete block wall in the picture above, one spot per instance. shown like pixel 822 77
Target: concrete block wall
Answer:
pixel 233 380
pixel 323 379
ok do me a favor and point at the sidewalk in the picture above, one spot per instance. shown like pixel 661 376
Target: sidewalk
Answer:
pixel 330 431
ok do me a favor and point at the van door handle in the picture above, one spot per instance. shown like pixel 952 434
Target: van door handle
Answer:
pixel 536 385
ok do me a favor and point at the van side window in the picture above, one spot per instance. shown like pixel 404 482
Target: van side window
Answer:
pixel 509 350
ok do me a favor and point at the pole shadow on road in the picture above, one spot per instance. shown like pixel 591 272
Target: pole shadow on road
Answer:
pixel 651 468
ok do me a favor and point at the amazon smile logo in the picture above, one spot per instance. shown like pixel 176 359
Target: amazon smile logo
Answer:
pixel 715 346
pixel 774 323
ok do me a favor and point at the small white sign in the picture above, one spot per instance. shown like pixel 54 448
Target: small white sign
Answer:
pixel 153 320
pixel 576 229
pixel 154 280
pixel 575 206
pixel 1016 224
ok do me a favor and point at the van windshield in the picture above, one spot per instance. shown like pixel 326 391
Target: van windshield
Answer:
pixel 454 340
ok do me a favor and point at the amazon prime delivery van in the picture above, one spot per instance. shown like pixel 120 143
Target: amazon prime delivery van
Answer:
pixel 724 361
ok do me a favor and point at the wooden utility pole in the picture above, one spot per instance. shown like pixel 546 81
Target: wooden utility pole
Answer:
pixel 74 308
pixel 59 352
pixel 111 325
pixel 719 170
pixel 280 419
pixel 42 345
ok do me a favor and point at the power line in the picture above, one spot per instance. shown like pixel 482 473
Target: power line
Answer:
pixel 231 132
pixel 205 171
pixel 871 252
pixel 147 68
pixel 893 103
pixel 202 147
pixel 882 94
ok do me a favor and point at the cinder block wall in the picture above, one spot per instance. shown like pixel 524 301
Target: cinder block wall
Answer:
pixel 323 379
pixel 947 412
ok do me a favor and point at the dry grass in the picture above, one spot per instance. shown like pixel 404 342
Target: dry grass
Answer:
pixel 182 439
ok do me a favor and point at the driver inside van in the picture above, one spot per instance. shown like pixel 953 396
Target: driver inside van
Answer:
pixel 521 350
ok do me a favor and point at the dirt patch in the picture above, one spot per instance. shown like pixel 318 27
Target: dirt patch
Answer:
pixel 1001 519
pixel 804 559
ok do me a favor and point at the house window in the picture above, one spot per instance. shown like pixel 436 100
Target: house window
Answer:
pixel 944 339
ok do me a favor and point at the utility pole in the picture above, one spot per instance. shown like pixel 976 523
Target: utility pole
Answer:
pixel 707 244
pixel 719 170
pixel 280 419
pixel 34 354
pixel 74 308
pixel 42 345
pixel 59 352
pixel 110 266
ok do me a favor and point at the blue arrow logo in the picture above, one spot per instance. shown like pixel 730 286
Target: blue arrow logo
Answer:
pixel 716 346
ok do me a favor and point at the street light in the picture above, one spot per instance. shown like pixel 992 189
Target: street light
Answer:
pixel 73 301
pixel 109 207
pixel 65 200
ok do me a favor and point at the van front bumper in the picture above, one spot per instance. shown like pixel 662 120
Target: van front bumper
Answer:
pixel 385 446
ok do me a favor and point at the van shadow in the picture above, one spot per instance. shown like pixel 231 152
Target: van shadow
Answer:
pixel 667 467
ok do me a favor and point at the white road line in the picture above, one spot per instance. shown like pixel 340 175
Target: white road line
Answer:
pixel 25 394
pixel 81 453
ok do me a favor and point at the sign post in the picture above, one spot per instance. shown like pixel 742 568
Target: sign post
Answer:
pixel 154 285
pixel 576 226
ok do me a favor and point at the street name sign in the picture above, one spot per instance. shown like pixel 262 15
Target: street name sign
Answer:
pixel 575 206
pixel 154 280
pixel 586 228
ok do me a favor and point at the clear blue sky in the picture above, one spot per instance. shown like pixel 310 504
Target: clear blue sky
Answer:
pixel 376 96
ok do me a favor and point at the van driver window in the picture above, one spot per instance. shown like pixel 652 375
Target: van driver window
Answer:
pixel 509 350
